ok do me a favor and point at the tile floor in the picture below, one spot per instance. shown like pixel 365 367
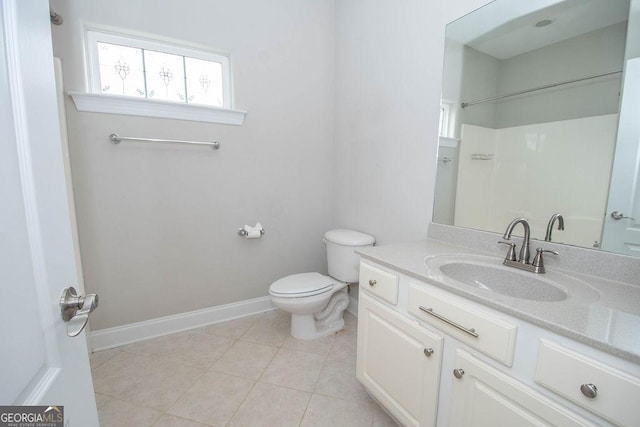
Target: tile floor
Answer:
pixel 244 372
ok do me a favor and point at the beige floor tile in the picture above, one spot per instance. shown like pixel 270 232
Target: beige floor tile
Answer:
pixel 213 399
pixel 320 346
pixel 328 411
pixel 338 379
pixel 143 379
pixel 117 413
pixel 294 369
pixel 382 419
pixel 99 357
pixel 171 421
pixel 343 351
pixel 270 405
pixel 271 329
pixel 232 329
pixel 245 359
pixel 193 348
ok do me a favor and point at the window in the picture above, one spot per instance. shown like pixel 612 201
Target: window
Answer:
pixel 445 109
pixel 146 77
pixel 142 68
pixel 447 118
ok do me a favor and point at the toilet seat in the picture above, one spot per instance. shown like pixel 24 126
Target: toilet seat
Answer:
pixel 301 285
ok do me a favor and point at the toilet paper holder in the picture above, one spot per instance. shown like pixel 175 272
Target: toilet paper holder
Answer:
pixel 243 233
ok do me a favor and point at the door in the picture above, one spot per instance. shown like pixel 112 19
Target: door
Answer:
pixel 621 232
pixel 398 362
pixel 39 363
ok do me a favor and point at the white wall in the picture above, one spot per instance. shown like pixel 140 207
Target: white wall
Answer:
pixel 590 54
pixel 480 80
pixel 157 224
pixel 388 81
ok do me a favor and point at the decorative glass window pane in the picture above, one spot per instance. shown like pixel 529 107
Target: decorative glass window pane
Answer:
pixel 121 70
pixel 165 76
pixel 204 82
pixel 147 68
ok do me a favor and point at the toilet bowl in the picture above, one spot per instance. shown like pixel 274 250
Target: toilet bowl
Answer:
pixel 317 302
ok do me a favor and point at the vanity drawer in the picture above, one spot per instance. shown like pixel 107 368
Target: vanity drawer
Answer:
pixel 379 283
pixel 482 331
pixel 617 395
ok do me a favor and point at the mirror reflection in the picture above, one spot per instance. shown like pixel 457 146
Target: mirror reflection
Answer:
pixel 529 118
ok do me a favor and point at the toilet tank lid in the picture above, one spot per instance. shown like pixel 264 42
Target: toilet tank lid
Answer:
pixel 349 237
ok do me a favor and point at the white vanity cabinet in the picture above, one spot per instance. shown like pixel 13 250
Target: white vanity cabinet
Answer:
pixel 431 357
pixel 483 396
pixel 398 362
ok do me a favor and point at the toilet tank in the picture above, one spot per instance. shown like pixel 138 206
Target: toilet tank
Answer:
pixel 342 261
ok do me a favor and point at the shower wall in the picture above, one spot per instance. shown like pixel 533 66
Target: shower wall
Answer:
pixel 157 223
pixel 534 171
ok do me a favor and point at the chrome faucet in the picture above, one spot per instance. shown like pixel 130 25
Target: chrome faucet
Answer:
pixel 537 266
pixel 552 220
pixel 524 249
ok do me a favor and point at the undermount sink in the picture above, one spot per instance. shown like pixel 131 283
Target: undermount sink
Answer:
pixel 488 274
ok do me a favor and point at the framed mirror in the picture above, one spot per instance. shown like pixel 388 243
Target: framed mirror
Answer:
pixel 533 96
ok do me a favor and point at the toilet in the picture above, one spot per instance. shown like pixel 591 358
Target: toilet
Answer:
pixel 317 302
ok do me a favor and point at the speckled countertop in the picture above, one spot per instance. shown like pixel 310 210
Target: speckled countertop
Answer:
pixel 600 312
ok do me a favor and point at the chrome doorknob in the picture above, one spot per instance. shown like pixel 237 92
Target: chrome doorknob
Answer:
pixel 619 215
pixel 75 310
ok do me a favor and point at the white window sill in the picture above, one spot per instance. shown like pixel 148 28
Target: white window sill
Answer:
pixel 115 104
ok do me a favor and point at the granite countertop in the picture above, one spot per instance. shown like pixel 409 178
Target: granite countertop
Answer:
pixel 603 313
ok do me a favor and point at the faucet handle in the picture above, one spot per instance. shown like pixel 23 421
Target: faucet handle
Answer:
pixel 511 255
pixel 537 260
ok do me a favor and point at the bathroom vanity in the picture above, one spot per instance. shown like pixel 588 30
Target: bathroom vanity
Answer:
pixel 447 335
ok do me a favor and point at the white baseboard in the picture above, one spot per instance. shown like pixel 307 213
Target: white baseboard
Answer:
pixel 126 334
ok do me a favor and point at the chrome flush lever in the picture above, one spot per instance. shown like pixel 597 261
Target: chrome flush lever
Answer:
pixel 75 310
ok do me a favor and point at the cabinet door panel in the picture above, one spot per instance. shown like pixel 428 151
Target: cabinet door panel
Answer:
pixel 393 364
pixel 484 396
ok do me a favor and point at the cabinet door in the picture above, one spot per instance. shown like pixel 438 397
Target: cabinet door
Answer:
pixel 398 362
pixel 484 396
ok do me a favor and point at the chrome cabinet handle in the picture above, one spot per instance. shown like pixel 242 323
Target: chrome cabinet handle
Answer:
pixel 458 373
pixel 589 390
pixel 75 310
pixel 470 331
pixel 372 282
pixel 428 352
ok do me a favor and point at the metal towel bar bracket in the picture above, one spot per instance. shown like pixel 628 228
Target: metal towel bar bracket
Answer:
pixel 115 138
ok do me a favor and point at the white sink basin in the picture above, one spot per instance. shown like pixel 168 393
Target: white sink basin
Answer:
pixel 488 274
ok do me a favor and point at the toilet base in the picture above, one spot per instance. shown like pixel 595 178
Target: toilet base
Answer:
pixel 305 327
pixel 324 323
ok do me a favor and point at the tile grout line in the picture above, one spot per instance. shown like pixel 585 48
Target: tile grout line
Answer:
pixel 255 382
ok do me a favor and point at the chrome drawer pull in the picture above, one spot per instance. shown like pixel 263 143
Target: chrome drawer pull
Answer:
pixel 589 390
pixel 372 282
pixel 430 311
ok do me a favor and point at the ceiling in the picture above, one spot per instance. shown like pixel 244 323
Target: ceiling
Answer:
pixel 506 28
